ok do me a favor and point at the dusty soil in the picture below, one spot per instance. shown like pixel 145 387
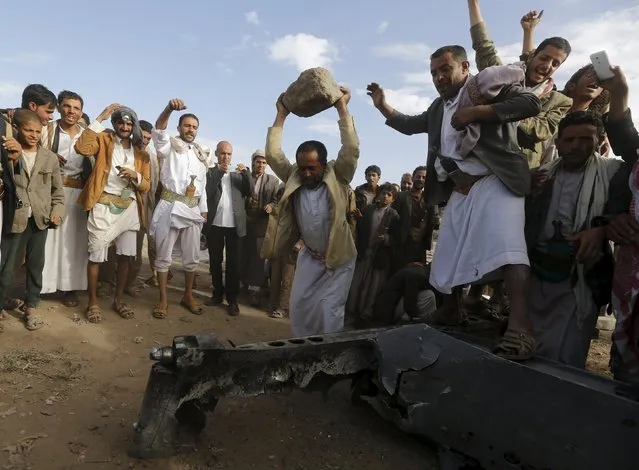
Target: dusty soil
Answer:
pixel 70 392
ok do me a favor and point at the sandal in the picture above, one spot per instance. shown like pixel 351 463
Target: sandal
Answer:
pixel 516 346
pixel 123 310
pixel 159 312
pixel 195 307
pixel 276 313
pixel 13 304
pixel 31 321
pixel 94 314
pixel 152 281
pixel 70 300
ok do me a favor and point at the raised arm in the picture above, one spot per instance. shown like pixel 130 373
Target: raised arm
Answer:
pixel 275 157
pixel 484 47
pixel 88 144
pixel 528 23
pixel 621 131
pixel 348 155
pixel 403 123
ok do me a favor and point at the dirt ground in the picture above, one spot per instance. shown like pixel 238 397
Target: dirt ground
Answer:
pixel 70 393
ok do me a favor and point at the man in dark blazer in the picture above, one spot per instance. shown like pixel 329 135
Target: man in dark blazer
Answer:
pixel 475 240
pixel 226 194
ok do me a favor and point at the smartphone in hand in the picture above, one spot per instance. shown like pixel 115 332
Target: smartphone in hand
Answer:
pixel 602 65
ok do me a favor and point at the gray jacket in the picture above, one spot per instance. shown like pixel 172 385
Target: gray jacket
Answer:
pixel 42 191
pixel 258 222
pixel 497 147
pixel 242 187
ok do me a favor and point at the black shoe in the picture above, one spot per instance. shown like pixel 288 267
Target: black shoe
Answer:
pixel 234 310
pixel 213 302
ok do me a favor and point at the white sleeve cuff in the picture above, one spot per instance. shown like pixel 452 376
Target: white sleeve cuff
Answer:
pixel 96 127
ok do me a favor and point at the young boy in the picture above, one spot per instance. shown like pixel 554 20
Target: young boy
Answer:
pixel 375 232
pixel 39 206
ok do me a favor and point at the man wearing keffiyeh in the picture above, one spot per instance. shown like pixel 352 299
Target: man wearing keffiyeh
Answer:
pixel 113 197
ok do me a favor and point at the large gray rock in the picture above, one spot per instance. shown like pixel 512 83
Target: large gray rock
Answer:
pixel 313 92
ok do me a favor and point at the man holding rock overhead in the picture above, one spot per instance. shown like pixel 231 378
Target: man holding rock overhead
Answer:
pixel 314 209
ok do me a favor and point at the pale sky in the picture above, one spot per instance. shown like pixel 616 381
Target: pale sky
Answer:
pixel 230 63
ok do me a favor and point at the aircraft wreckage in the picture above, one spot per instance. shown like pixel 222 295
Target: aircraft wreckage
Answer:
pixel 481 410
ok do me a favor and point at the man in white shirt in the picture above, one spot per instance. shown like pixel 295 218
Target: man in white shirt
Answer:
pixel 226 192
pixel 182 210
pixel 113 196
pixel 65 265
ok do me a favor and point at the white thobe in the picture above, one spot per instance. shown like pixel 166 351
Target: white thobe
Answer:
pixel 318 294
pixel 480 232
pixel 174 224
pixel 104 226
pixel 66 251
pixel 149 197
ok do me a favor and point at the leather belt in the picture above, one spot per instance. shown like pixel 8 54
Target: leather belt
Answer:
pixel 170 196
pixel 113 200
pixel 463 181
pixel 75 183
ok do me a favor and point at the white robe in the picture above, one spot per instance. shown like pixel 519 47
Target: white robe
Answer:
pixel 480 232
pixel 66 251
pixel 318 294
pixel 175 227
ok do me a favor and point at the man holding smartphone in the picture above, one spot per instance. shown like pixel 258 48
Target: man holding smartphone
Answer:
pixel 113 196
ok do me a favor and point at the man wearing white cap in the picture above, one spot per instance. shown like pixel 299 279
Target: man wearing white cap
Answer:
pixel 258 207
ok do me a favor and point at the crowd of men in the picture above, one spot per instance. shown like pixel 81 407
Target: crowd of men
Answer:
pixel 520 189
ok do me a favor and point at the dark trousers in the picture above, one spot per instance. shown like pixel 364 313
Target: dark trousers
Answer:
pixel 219 238
pixel 253 266
pixel 33 240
